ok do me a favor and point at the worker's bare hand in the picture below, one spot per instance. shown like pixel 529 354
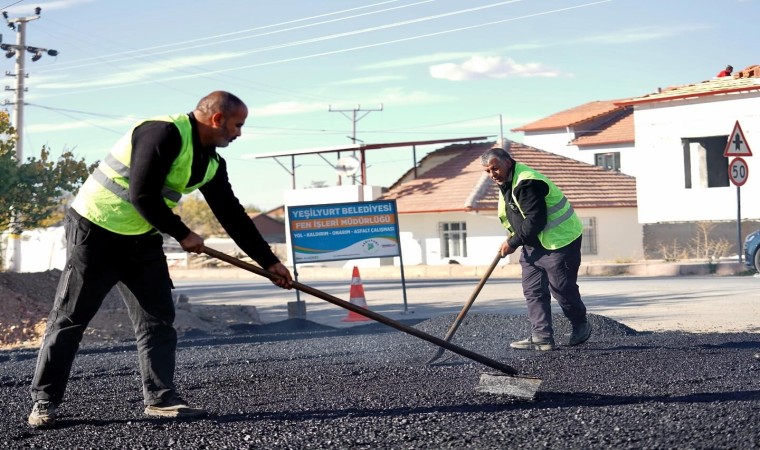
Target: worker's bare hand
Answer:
pixel 285 281
pixel 192 243
pixel 506 249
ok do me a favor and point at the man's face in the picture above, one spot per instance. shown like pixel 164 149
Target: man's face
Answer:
pixel 497 169
pixel 228 128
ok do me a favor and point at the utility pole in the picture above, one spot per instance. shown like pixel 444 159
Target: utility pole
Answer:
pixel 19 50
pixel 354 119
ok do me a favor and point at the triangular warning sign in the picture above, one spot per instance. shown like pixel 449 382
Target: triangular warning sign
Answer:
pixel 737 145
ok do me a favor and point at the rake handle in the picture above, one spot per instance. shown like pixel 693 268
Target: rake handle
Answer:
pixel 466 307
pixel 366 313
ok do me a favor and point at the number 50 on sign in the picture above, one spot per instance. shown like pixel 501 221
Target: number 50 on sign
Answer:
pixel 738 171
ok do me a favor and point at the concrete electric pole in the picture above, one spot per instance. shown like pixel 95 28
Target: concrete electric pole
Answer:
pixel 19 50
pixel 353 118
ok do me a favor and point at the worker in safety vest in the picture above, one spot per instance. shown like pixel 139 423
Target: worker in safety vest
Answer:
pixel 113 232
pixel 539 218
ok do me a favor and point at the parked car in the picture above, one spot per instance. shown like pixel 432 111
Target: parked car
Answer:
pixel 752 250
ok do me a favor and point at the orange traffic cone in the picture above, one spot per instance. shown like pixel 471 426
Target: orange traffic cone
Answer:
pixel 357 298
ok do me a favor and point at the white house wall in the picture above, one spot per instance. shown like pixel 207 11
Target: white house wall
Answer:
pixel 588 154
pixel 662 196
pixel 555 141
pixel 484 236
pixel 619 236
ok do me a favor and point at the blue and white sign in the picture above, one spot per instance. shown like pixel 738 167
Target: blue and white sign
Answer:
pixel 340 231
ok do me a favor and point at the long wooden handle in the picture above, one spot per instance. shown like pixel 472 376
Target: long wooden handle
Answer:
pixel 466 307
pixel 366 313
pixel 471 300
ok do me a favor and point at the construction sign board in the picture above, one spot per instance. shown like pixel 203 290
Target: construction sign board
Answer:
pixel 341 231
pixel 737 144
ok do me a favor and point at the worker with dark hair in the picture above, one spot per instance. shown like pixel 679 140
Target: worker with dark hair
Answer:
pixel 726 72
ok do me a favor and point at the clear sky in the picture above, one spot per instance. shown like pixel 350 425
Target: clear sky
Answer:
pixel 439 68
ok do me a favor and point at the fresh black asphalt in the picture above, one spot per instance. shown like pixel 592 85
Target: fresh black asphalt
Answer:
pixel 299 385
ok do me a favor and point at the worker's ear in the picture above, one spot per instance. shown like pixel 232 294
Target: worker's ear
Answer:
pixel 217 119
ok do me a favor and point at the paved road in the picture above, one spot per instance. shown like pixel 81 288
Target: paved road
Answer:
pixel 297 384
pixel 694 304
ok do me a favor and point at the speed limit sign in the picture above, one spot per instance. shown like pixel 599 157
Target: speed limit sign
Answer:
pixel 738 171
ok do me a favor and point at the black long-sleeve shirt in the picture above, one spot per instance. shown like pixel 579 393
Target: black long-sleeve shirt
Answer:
pixel 155 146
pixel 531 196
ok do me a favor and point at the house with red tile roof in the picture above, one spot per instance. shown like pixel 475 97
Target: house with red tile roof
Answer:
pixel 682 134
pixel 672 141
pixel 597 132
pixel 271 228
pixel 447 206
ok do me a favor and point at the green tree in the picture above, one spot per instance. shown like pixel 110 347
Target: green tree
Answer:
pixel 33 191
pixel 197 215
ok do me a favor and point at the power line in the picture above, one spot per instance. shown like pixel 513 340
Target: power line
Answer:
pixel 343 34
pixel 343 50
pixel 141 52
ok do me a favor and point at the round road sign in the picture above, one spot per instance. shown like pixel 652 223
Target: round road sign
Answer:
pixel 738 171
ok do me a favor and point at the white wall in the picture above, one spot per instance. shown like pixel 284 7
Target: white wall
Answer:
pixel 41 249
pixel 484 236
pixel 660 127
pixel 588 154
pixel 555 141
pixel 619 236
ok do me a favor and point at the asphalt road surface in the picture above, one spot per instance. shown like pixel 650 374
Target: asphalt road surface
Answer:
pixel 301 384
pixel 695 303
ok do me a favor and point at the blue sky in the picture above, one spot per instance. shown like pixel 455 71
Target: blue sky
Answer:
pixel 439 68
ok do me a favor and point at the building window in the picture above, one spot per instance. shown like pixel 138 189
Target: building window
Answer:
pixel 610 161
pixel 588 243
pixel 453 237
pixel 703 162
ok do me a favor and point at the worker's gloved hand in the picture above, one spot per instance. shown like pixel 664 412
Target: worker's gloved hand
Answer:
pixel 285 281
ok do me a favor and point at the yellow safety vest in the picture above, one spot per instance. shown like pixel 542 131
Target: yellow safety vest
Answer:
pixel 562 224
pixel 104 197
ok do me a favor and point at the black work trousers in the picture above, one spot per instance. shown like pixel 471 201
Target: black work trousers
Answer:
pixel 547 273
pixel 98 259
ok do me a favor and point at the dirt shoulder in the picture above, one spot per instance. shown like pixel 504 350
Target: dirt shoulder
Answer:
pixel 26 300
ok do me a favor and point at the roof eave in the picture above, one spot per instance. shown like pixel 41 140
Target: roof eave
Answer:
pixel 690 95
pixel 593 144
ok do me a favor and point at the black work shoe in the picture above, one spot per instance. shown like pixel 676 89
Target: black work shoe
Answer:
pixel 580 334
pixel 176 408
pixel 543 345
pixel 43 414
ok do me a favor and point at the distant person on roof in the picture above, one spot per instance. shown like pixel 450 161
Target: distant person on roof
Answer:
pixel 726 72
pixel 539 218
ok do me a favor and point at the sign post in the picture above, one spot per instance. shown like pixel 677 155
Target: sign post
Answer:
pixel 738 172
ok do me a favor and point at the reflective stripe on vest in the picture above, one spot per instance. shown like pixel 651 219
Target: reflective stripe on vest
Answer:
pixel 103 199
pixel 556 208
pixel 559 231
pixel 121 191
